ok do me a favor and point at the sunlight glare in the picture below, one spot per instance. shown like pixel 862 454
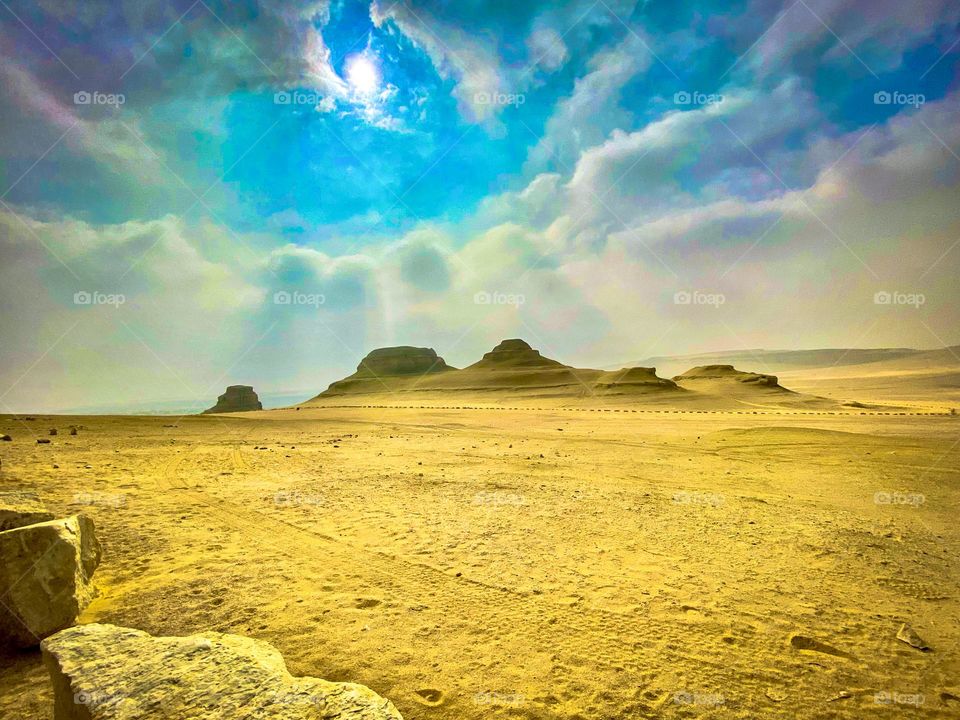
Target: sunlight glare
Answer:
pixel 363 75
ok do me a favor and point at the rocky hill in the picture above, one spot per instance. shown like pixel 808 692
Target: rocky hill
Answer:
pixel 237 398
pixel 511 370
pixel 727 373
pixel 514 353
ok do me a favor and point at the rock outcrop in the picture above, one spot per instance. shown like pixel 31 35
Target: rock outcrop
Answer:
pixel 102 672
pixel 727 372
pixel 514 353
pixel 512 370
pixel 402 360
pixel 19 508
pixel 46 571
pixel 384 369
pixel 237 398
pixel 630 379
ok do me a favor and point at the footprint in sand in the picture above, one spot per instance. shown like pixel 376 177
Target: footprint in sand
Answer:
pixel 364 603
pixel 429 697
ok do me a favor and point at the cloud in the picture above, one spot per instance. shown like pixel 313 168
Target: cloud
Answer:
pixel 547 48
pixel 472 64
pixel 592 110
pixel 118 311
pixel 471 60
pixel 868 35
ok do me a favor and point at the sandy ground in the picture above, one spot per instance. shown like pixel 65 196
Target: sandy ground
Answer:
pixel 532 563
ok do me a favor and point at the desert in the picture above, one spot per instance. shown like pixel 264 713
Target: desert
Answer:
pixel 472 360
pixel 535 553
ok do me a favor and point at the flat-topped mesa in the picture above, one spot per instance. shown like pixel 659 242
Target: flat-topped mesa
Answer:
pixel 404 364
pixel 727 372
pixel 237 398
pixel 514 353
pixel 401 360
pixel 634 377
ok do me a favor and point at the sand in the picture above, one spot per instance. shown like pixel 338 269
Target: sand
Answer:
pixel 524 563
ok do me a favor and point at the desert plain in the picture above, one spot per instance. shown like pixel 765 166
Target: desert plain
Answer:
pixel 560 559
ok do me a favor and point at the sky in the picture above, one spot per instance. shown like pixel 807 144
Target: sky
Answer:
pixel 198 193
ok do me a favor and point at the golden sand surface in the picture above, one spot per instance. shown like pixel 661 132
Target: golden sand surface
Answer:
pixel 531 563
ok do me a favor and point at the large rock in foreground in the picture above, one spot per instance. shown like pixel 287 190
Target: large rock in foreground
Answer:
pixel 237 398
pixel 45 578
pixel 104 672
pixel 19 508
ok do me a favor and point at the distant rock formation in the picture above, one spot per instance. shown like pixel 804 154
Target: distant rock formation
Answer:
pixel 102 672
pixel 512 370
pixel 46 573
pixel 727 372
pixel 514 353
pixel 402 360
pixel 384 368
pixel 634 378
pixel 237 398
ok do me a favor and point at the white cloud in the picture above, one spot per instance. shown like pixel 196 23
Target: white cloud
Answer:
pixel 801 263
pixel 592 110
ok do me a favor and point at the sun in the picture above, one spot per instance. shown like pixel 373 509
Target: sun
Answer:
pixel 363 74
